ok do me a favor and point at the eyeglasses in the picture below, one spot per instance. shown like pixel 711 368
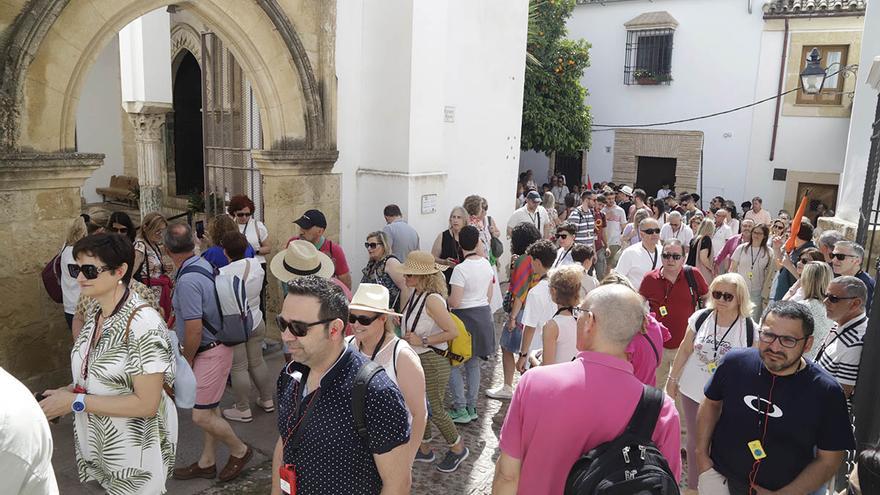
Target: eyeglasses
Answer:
pixel 298 328
pixel 667 256
pixel 651 231
pixel 372 245
pixel 778 227
pixel 362 319
pixel 841 256
pixel 119 230
pixel 836 299
pixel 563 236
pixel 90 272
pixel 243 214
pixel 727 296
pixel 784 340
pixel 804 260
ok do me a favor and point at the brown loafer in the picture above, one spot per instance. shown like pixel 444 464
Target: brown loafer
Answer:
pixel 194 471
pixel 235 465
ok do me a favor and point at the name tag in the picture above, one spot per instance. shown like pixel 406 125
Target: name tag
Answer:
pixel 711 366
pixel 287 476
pixel 663 311
pixel 757 450
pixel 750 275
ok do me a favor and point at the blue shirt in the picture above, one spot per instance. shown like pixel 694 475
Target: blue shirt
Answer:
pixel 194 299
pixel 217 257
pixel 808 410
pixel 331 457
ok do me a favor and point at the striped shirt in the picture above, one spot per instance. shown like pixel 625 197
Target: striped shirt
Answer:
pixel 586 226
pixel 840 352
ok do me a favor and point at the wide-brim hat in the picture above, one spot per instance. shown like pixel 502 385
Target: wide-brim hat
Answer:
pixel 626 190
pixel 421 263
pixel 374 298
pixel 301 259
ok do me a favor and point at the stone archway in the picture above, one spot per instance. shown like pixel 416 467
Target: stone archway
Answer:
pixel 44 57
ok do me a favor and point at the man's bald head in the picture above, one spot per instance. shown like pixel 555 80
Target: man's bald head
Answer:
pixel 618 311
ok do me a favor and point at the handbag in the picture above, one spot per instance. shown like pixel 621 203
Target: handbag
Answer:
pixel 51 275
pixel 495 244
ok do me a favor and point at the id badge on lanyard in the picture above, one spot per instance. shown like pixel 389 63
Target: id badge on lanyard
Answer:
pixel 287 477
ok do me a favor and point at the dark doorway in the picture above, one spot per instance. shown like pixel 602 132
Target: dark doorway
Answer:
pixel 653 172
pixel 570 167
pixel 189 165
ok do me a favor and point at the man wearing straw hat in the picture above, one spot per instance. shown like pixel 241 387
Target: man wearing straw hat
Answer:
pixel 319 450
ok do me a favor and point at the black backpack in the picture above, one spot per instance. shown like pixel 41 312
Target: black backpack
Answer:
pixel 630 464
pixel 750 326
pixel 359 398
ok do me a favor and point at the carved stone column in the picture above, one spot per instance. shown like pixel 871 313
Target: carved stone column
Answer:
pixel 148 119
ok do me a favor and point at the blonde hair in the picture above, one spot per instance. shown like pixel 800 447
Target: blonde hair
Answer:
pixel 616 278
pixel 151 223
pixel 741 290
pixel 434 282
pixel 565 281
pixel 384 238
pixel 76 231
pixel 549 200
pixel 707 227
pixel 815 279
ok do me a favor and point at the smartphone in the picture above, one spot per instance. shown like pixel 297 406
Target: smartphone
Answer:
pixel 200 229
pixel 39 396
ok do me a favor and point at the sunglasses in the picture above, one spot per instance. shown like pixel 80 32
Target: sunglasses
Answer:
pixel 563 236
pixel 836 299
pixel 372 245
pixel 778 227
pixel 242 214
pixel 119 230
pixel 784 340
pixel 804 261
pixel 298 328
pixel 651 231
pixel 90 272
pixel 362 319
pixel 841 256
pixel 727 296
pixel 668 256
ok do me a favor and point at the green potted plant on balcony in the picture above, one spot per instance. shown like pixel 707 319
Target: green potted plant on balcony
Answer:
pixel 645 77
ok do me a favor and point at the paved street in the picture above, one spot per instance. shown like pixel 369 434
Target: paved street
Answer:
pixel 473 477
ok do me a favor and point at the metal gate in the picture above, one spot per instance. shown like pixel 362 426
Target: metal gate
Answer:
pixel 231 129
pixel 869 216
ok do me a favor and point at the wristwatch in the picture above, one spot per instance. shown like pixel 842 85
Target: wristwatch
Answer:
pixel 79 404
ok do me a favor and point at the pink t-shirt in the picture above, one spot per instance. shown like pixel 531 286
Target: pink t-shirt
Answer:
pixel 562 411
pixel 642 357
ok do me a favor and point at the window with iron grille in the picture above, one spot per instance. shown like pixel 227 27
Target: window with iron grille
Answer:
pixel 648 57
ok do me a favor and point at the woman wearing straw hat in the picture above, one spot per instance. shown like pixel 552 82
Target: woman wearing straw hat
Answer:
pixel 368 314
pixel 426 325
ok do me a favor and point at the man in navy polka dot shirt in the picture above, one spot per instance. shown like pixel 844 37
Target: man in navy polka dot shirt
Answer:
pixel 319 451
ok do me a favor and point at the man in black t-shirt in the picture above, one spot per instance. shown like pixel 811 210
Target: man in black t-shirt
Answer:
pixel 772 420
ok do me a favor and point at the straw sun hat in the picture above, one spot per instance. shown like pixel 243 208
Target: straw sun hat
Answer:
pixel 421 263
pixel 301 259
pixel 373 298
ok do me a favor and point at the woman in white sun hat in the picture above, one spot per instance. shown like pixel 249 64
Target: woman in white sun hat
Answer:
pixel 368 314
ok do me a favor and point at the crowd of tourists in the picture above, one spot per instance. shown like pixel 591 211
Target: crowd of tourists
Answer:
pixel 626 319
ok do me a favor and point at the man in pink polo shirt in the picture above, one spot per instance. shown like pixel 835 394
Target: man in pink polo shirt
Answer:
pixel 562 411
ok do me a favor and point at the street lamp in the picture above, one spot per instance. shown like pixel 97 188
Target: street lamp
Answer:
pixel 813 76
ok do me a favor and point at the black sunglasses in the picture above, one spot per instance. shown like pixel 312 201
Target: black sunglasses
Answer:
pixel 90 272
pixel 667 256
pixel 651 231
pixel 372 245
pixel 727 296
pixel 298 328
pixel 841 256
pixel 562 236
pixel 362 319
pixel 836 299
pixel 242 214
pixel 784 340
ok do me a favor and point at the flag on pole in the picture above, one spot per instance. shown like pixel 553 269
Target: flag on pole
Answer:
pixel 796 224
pixel 589 183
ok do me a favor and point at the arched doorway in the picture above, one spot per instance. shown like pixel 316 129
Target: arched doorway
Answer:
pixel 189 170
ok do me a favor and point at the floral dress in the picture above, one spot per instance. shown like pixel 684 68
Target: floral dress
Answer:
pixel 374 273
pixel 124 455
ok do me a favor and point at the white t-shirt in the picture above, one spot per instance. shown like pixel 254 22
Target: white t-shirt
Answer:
pixel 539 309
pixel 588 283
pixel 255 232
pixel 563 257
pixel 636 261
pixel 684 234
pixel 566 341
pixel 475 275
pixel 539 218
pixel 615 219
pixel 696 370
pixel 720 237
pixel 69 285
pixel 252 285
pixel 26 442
pixel 754 261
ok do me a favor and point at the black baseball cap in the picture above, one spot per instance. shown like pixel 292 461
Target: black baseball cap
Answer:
pixel 311 218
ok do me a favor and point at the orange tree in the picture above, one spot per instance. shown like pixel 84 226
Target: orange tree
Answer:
pixel 555 117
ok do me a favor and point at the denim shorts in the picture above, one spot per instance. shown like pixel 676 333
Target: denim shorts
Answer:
pixel 512 340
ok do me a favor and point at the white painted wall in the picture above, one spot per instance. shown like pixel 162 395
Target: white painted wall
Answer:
pixel 864 106
pixel 399 64
pixel 99 119
pixel 714 65
pixel 145 58
pixel 538 163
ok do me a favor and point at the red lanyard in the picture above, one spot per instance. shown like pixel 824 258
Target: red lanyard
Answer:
pixel 304 415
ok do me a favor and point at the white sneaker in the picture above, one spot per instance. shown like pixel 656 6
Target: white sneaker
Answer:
pixel 504 392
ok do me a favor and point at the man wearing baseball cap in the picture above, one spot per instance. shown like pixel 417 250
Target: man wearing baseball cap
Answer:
pixel 312 225
pixel 532 212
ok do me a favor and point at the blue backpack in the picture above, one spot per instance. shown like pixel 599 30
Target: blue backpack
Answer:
pixel 236 320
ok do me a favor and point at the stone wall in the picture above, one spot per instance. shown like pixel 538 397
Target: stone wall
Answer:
pixel 684 146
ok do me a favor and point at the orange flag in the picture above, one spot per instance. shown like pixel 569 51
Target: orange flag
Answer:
pixel 796 225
